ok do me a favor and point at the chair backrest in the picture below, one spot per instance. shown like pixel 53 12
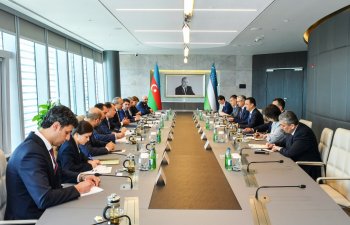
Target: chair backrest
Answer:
pixel 325 143
pixel 338 162
pixel 306 122
pixel 3 194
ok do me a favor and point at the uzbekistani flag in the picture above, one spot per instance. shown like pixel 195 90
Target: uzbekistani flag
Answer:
pixel 154 99
pixel 210 101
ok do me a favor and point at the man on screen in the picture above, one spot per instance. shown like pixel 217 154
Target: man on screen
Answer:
pixel 184 89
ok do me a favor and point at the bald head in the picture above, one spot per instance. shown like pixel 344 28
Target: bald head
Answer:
pixel 94 116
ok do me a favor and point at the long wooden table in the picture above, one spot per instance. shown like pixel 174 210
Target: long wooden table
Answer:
pixel 283 206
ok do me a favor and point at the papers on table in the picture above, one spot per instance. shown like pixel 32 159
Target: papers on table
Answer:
pixel 100 169
pixel 109 162
pixel 257 146
pixel 121 140
pixel 92 191
pixel 129 132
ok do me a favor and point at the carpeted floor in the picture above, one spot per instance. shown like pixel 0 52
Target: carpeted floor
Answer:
pixel 194 177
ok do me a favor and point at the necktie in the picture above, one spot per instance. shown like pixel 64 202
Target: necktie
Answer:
pixel 109 125
pixel 249 118
pixel 54 160
pixel 185 90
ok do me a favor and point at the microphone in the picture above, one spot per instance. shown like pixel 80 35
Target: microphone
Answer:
pixel 276 161
pixel 241 150
pixel 302 186
pixel 108 175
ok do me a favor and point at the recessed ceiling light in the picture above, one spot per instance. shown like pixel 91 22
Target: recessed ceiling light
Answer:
pixel 255 28
pixel 117 28
pixel 196 10
pixel 181 43
pixel 286 20
pixel 178 31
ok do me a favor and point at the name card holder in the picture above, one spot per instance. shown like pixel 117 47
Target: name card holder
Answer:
pixel 207 146
pixel 161 179
pixel 204 137
pixel 200 130
pixel 165 159
pixel 168 147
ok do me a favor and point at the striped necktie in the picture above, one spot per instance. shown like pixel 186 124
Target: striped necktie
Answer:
pixel 54 160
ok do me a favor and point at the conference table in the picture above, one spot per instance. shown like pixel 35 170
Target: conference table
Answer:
pixel 281 206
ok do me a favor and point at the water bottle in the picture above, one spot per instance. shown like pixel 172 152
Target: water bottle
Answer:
pixel 152 159
pixel 207 125
pixel 200 116
pixel 215 135
pixel 228 159
pixel 159 135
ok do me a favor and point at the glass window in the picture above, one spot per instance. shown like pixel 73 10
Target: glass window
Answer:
pixel 86 91
pixel 99 83
pixel 29 86
pixel 72 83
pixel 53 75
pixel 1 44
pixel 76 84
pixel 62 70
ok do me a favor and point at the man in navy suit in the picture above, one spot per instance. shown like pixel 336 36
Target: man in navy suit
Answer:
pixel 33 178
pixel 143 107
pixel 243 113
pixel 225 107
pixel 300 143
pixel 255 118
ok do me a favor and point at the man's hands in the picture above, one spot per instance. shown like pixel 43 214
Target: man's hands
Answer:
pixel 86 185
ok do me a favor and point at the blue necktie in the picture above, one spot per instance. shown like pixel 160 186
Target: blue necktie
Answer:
pixel 250 116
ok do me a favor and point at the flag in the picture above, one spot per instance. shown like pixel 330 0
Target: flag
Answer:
pixel 154 99
pixel 210 101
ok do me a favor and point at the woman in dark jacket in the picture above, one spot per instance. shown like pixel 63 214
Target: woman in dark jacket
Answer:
pixel 69 155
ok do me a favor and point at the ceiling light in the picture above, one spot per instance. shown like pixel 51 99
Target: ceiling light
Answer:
pixel 188 8
pixel 178 31
pixel 186 51
pixel 186 33
pixel 185 60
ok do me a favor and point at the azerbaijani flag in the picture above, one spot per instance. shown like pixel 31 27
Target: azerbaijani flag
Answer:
pixel 154 99
pixel 210 101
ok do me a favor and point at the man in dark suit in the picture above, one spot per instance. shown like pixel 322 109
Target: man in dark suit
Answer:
pixel 255 118
pixel 225 107
pixel 300 143
pixel 33 178
pixel 184 89
pixel 125 113
pixel 243 113
pixel 235 107
pixel 116 121
pixel 95 146
pixel 143 107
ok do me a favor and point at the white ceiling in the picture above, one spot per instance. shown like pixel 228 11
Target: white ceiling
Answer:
pixel 154 26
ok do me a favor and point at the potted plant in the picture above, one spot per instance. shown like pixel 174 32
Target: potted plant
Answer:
pixel 43 109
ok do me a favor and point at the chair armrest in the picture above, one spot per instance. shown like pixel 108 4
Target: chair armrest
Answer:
pixel 331 178
pixel 310 163
pixel 8 222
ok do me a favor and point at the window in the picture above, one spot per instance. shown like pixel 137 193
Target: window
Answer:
pixel 29 86
pixel 99 83
pixel 1 44
pixel 53 75
pixel 76 84
pixel 86 91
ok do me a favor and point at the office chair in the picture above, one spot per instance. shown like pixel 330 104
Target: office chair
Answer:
pixel 324 147
pixel 3 194
pixel 337 179
pixel 306 122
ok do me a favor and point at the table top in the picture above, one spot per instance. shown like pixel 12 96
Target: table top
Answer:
pixel 284 206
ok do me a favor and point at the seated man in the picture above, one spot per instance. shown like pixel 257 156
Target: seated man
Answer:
pixel 255 118
pixel 116 121
pixel 33 177
pixel 102 132
pixel 225 107
pixel 243 113
pixel 107 127
pixel 143 107
pixel 94 146
pixel 300 143
pixel 235 107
